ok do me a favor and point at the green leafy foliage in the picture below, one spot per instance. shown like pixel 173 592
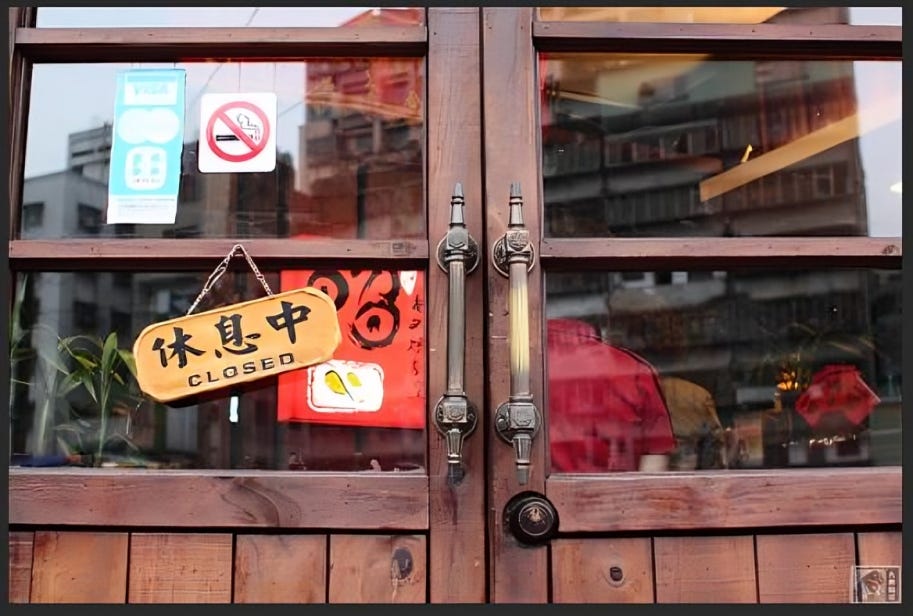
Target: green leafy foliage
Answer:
pixel 100 383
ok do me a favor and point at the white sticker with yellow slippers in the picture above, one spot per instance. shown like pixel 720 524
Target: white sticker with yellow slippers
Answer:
pixel 338 386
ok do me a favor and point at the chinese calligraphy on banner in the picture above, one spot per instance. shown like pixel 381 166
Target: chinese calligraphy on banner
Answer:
pixel 377 375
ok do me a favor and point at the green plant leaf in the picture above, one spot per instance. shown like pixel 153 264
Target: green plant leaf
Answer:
pixel 129 360
pixel 52 359
pixel 109 354
pixel 69 383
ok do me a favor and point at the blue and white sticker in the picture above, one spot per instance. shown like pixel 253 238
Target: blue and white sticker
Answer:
pixel 148 138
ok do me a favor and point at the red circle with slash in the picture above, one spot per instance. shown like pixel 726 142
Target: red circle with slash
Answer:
pixel 255 146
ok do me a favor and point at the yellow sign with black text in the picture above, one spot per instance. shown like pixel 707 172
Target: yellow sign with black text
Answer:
pixel 236 344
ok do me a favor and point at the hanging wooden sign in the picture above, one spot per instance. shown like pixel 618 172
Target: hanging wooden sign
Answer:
pixel 238 343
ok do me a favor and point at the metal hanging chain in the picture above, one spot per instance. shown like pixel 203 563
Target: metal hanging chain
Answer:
pixel 222 267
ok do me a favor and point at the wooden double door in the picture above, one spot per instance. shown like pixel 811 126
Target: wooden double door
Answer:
pixel 428 537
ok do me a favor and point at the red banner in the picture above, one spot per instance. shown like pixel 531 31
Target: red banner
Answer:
pixel 377 374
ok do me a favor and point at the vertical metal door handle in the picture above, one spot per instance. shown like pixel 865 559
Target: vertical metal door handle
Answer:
pixel 455 417
pixel 517 421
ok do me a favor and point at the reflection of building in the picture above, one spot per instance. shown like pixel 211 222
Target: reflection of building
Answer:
pixel 361 144
pixel 65 204
pixel 89 152
pixel 628 146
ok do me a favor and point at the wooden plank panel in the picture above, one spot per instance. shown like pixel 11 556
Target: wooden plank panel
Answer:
pixel 280 569
pixel 180 568
pixel 721 251
pixel 768 40
pixel 20 559
pixel 20 79
pixel 79 567
pixel 727 499
pixel 880 549
pixel 177 254
pixel 811 568
pixel 602 570
pixel 377 569
pixel 457 539
pixel 705 570
pixel 184 44
pixel 236 498
pixel 510 92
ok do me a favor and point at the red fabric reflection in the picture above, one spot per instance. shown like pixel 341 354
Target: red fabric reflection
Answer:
pixel 837 389
pixel 606 408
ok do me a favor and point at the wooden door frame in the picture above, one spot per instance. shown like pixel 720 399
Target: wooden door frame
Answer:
pixel 518 574
pixel 457 542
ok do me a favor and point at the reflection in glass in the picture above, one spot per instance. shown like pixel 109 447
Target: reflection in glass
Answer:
pixel 723 369
pixel 806 15
pixel 349 158
pixel 65 410
pixel 225 17
pixel 688 145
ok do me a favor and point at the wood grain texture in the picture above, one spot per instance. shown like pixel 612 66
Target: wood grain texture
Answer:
pixel 280 569
pixel 202 498
pixel 20 563
pixel 172 254
pixel 377 569
pixel 457 538
pixel 180 568
pixel 767 40
pixel 20 77
pixel 705 569
pixel 510 92
pixel 721 252
pixel 582 570
pixel 79 567
pixel 727 499
pixel 811 568
pixel 187 44
pixel 877 549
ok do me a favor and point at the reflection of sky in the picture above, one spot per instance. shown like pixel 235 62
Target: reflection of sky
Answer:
pixel 880 149
pixel 880 80
pixel 124 17
pixel 92 104
pixel 93 86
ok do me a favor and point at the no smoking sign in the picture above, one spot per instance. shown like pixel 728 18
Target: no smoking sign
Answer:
pixel 237 133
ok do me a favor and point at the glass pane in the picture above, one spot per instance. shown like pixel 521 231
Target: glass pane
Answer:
pixel 226 17
pixel 723 369
pixel 349 160
pixel 362 410
pixel 808 15
pixel 690 145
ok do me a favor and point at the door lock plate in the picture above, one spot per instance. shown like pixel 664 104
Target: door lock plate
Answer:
pixel 531 518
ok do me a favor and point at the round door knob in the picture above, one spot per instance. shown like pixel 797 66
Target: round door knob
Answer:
pixel 531 518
